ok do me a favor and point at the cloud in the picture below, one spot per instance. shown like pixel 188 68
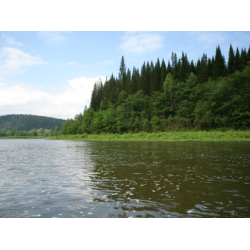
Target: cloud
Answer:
pixel 52 36
pixel 210 38
pixel 15 61
pixel 134 42
pixel 11 40
pixel 22 99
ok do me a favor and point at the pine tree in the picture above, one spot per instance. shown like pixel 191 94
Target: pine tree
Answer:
pixel 248 54
pixel 93 98
pixel 183 72
pixel 128 84
pixel 133 82
pixel 151 83
pixel 157 75
pixel 163 74
pixel 192 67
pixel 203 76
pixel 237 60
pixel 209 67
pixel 143 79
pixel 122 75
pixel 174 65
pixel 169 69
pixel 231 60
pixel 243 59
pixel 147 89
pixel 198 68
pixel 219 64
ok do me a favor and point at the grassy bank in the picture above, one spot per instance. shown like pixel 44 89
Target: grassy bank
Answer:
pixel 23 137
pixel 162 136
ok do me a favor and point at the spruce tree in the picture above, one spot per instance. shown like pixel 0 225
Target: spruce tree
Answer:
pixel 151 83
pixel 209 67
pixel 134 81
pixel 122 75
pixel 169 69
pixel 198 68
pixel 128 82
pixel 219 64
pixel 183 72
pixel 163 74
pixel 157 75
pixel 148 73
pixel 204 75
pixel 142 81
pixel 174 65
pixel 243 59
pixel 237 60
pixel 192 67
pixel 231 60
pixel 248 54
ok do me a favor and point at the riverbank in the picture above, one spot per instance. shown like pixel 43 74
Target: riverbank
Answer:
pixel 161 136
pixel 23 137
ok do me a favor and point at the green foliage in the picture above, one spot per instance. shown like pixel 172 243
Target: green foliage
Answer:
pixel 28 122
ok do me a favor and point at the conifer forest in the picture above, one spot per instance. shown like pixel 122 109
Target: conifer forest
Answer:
pixel 206 95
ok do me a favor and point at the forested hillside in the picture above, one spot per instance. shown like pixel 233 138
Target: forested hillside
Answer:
pixel 29 122
pixel 204 95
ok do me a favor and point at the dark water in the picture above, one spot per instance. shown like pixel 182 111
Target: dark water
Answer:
pixel 43 178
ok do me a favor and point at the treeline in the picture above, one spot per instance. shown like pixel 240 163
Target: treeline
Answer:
pixel 29 122
pixel 208 94
pixel 33 132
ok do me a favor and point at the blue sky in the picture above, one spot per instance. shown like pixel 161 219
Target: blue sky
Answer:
pixel 53 73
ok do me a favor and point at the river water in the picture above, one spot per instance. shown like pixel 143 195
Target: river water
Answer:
pixel 65 179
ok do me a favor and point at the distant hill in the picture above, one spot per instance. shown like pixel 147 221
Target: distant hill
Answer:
pixel 28 122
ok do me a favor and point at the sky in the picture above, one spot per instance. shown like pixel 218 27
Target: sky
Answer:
pixel 53 73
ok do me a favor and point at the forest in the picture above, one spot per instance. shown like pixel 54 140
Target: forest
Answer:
pixel 29 125
pixel 209 94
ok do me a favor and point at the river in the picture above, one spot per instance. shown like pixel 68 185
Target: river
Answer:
pixel 75 179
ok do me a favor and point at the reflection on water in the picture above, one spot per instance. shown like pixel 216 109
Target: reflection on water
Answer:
pixel 43 178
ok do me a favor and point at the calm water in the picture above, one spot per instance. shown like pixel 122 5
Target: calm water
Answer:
pixel 43 178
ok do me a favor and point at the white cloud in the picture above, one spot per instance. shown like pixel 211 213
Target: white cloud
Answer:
pixel 209 38
pixel 21 99
pixel 52 36
pixel 10 40
pixel 15 61
pixel 141 42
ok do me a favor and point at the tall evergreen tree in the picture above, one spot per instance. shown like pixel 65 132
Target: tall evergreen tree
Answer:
pixel 169 69
pixel 148 73
pixel 198 68
pixel 134 81
pixel 128 84
pixel 204 75
pixel 151 83
pixel 219 64
pixel 243 59
pixel 183 72
pixel 163 74
pixel 209 67
pixel 174 65
pixel 192 67
pixel 237 60
pixel 231 60
pixel 248 54
pixel 157 75
pixel 122 75
pixel 142 81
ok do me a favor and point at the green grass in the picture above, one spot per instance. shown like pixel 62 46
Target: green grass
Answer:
pixel 22 137
pixel 161 136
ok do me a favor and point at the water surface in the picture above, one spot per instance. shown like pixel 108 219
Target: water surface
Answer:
pixel 65 179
